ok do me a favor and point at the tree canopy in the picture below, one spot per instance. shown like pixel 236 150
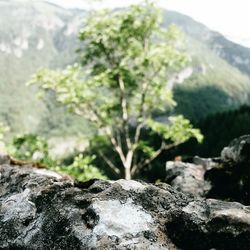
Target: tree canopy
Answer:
pixel 121 80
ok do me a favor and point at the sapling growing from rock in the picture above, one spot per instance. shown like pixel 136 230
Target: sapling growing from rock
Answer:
pixel 126 59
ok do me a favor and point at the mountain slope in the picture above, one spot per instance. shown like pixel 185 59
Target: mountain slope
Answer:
pixel 32 35
pixel 214 82
pixel 35 34
pixel 214 85
pixel 235 54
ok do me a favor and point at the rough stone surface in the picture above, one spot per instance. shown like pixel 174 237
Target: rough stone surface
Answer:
pixel 187 178
pixel 226 177
pixel 38 211
pixel 231 178
pixel 237 152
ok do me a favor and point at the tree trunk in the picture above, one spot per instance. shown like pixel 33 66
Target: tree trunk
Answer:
pixel 127 174
pixel 128 164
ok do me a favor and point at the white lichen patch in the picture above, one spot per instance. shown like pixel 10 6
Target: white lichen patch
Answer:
pixel 119 219
pixel 194 208
pixel 130 185
pixel 25 206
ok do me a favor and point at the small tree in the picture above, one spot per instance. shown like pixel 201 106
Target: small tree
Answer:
pixel 125 61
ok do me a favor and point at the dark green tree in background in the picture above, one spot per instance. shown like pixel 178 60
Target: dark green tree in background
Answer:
pixel 126 59
pixel 219 130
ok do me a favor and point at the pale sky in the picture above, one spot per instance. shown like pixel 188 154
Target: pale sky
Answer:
pixel 229 17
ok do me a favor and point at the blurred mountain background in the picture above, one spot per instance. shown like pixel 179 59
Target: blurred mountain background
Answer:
pixel 35 34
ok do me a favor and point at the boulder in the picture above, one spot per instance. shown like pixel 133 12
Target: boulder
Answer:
pixel 226 177
pixel 237 152
pixel 231 178
pixel 40 210
pixel 187 178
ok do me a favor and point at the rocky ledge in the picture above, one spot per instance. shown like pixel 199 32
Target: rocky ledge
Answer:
pixel 42 210
pixel 226 177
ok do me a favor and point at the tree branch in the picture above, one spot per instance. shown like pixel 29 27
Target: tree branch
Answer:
pixel 118 139
pixel 144 163
pixel 101 123
pixel 145 87
pixel 124 106
pixel 116 146
pixel 109 163
pixel 138 132
pixel 140 116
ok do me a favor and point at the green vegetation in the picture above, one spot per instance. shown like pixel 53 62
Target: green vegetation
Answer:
pixel 23 26
pixel 82 169
pixel 218 130
pixel 47 118
pixel 209 89
pixel 33 147
pixel 120 83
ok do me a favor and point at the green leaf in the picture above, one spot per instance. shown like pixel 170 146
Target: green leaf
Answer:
pixel 148 150
pixel 177 130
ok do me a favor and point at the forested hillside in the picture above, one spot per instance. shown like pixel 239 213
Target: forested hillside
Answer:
pixel 219 129
pixel 33 35
pixel 36 34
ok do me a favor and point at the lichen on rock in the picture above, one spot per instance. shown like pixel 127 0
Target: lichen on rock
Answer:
pixel 38 211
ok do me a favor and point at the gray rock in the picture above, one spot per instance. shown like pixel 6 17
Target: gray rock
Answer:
pixel 38 211
pixel 4 159
pixel 207 163
pixel 238 152
pixel 187 178
pixel 226 177
pixel 231 179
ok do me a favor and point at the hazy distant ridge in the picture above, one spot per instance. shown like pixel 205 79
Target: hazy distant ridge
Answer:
pixel 36 34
